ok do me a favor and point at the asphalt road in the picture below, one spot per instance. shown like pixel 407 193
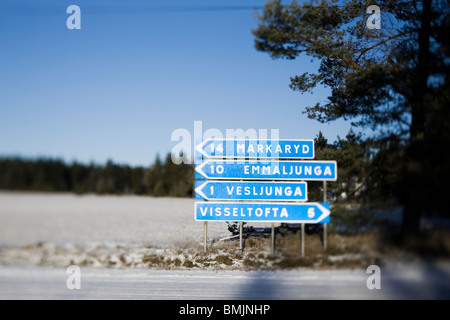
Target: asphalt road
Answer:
pixel 414 281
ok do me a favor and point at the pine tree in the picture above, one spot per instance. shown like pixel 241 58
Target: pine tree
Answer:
pixel 384 79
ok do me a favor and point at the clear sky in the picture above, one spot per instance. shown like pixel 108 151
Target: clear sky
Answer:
pixel 136 71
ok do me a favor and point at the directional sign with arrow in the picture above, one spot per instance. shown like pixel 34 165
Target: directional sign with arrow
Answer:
pixel 256 148
pixel 311 212
pixel 251 190
pixel 267 170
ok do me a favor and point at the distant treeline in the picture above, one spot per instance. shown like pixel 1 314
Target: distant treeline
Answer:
pixel 163 178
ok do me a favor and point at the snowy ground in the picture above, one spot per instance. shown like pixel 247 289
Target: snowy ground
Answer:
pixel 28 218
pixel 105 231
pixel 150 248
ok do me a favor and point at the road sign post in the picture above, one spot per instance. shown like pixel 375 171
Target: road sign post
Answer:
pixel 273 238
pixel 205 236
pixel 260 180
pixel 303 240
pixel 241 227
pixel 325 225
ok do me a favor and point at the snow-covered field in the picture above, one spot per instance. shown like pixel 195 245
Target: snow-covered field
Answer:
pixel 67 218
pixel 89 230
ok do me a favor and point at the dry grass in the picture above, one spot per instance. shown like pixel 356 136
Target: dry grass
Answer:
pixel 349 251
pixel 343 251
pixel 430 243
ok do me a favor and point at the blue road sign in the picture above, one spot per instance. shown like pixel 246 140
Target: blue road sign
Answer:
pixel 309 212
pixel 251 190
pixel 256 148
pixel 267 170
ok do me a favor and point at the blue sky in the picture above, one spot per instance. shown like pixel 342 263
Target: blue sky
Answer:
pixel 135 72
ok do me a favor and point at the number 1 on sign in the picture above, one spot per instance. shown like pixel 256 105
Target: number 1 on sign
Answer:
pixel 212 190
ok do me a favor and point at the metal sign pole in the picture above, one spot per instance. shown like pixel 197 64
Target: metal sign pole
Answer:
pixel 303 240
pixel 205 230
pixel 325 231
pixel 241 247
pixel 273 239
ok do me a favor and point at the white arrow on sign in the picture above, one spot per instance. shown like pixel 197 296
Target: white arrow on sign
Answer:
pixel 199 148
pixel 325 212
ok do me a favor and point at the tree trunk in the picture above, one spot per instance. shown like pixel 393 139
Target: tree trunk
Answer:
pixel 415 200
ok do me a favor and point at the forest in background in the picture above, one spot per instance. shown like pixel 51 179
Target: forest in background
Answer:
pixel 163 178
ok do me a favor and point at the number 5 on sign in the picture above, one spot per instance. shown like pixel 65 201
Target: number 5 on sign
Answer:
pixel 311 213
